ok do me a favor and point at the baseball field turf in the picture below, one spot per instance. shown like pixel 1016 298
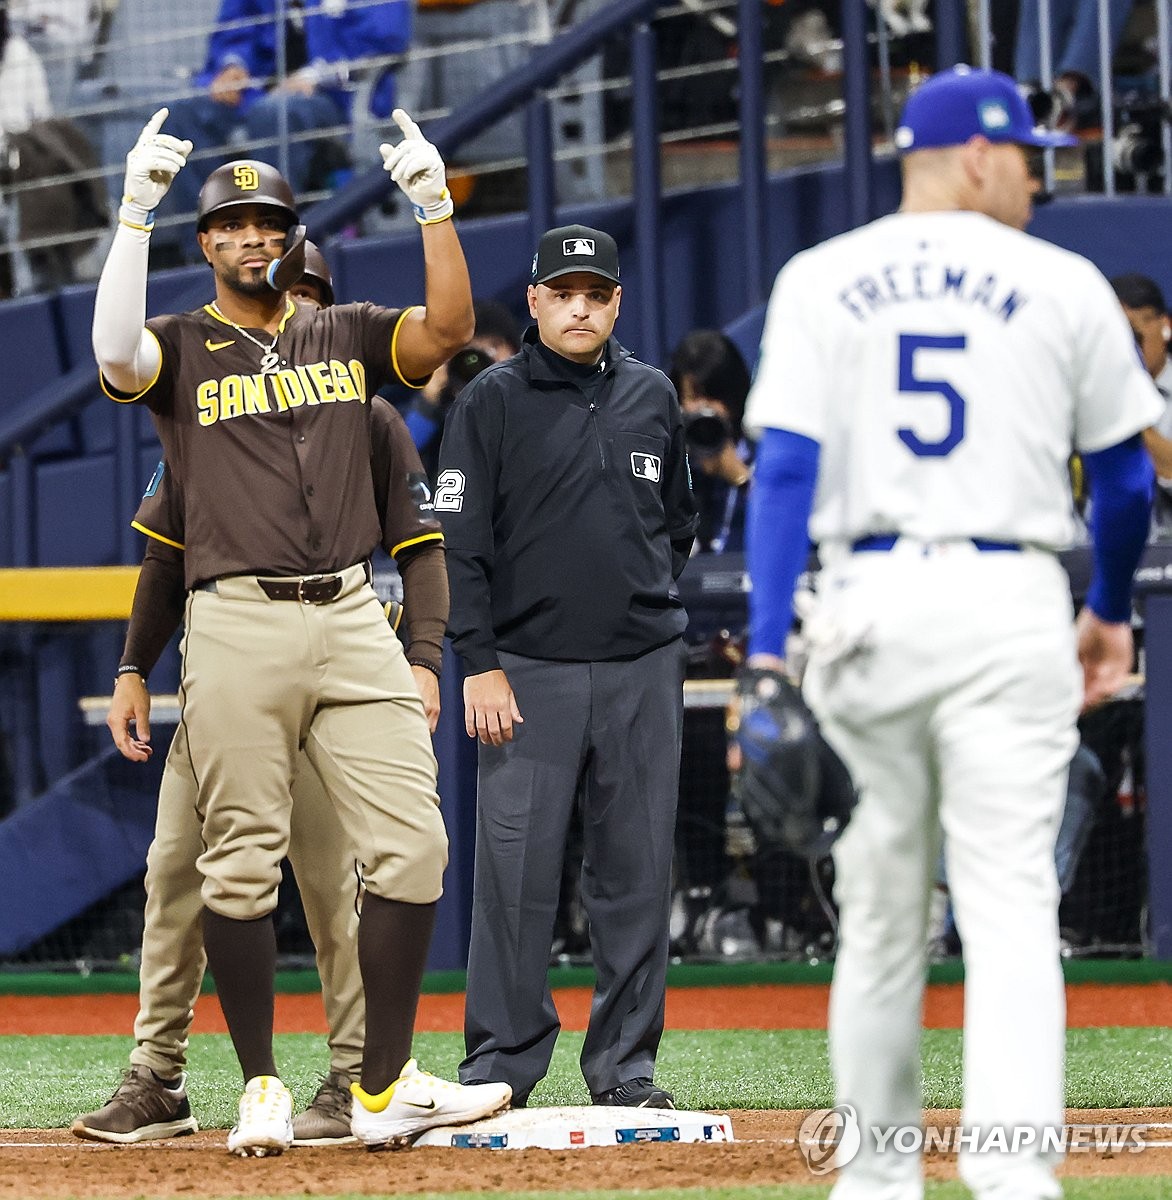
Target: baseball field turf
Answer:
pixel 766 1077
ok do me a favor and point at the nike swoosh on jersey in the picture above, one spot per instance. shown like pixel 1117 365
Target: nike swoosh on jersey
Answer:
pixel 213 346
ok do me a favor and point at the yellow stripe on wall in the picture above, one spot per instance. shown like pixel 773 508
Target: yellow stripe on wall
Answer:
pixel 66 593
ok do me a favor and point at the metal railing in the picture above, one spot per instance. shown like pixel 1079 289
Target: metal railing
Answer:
pixel 542 82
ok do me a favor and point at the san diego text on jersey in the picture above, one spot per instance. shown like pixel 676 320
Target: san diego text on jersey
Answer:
pixel 315 383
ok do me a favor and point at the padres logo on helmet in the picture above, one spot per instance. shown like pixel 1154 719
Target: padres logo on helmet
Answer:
pixel 245 181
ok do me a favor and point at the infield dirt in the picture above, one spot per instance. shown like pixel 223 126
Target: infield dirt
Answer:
pixel 55 1164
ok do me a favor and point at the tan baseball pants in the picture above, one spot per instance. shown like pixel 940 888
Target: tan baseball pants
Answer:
pixel 264 680
pixel 173 960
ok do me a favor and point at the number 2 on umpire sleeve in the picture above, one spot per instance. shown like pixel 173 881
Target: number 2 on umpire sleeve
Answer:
pixel 449 491
pixel 909 381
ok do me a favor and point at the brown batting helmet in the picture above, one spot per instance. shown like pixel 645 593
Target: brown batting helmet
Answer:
pixel 317 268
pixel 245 181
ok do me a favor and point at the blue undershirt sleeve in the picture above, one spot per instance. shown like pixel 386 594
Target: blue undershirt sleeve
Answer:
pixel 1121 482
pixel 422 428
pixel 777 542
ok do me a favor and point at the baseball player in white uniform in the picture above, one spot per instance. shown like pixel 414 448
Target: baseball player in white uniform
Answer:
pixel 922 383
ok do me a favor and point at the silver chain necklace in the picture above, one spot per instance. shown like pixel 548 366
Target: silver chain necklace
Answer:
pixel 270 359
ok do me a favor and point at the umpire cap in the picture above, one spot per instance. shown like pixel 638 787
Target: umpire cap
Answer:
pixel 317 268
pixel 572 248
pixel 245 181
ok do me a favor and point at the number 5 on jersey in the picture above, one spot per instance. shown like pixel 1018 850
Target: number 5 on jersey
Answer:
pixel 909 381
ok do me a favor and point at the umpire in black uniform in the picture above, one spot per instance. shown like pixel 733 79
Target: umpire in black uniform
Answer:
pixel 568 516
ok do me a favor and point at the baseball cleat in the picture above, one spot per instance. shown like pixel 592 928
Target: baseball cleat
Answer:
pixel 636 1093
pixel 326 1120
pixel 141 1109
pixel 266 1119
pixel 416 1101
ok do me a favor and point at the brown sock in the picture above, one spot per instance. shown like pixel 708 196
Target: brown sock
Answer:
pixel 393 940
pixel 242 957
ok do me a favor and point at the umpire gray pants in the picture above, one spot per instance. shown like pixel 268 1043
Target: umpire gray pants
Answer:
pixel 609 733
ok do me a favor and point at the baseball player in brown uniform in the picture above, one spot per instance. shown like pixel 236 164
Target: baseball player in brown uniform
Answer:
pixel 151 1100
pixel 262 408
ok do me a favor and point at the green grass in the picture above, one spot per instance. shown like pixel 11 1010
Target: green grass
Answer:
pixel 1155 1187
pixel 22 982
pixel 45 1081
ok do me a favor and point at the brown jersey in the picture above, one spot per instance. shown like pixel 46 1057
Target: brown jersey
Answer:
pixel 273 464
pixel 401 494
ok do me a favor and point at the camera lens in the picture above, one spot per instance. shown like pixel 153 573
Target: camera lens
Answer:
pixel 705 431
pixel 466 364
pixel 1136 153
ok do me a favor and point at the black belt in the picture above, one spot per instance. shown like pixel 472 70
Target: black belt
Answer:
pixel 311 589
pixel 882 542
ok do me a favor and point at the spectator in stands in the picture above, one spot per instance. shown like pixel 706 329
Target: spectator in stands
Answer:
pixel 712 381
pixel 257 76
pixel 1074 55
pixel 497 337
pixel 60 31
pixel 39 153
pixel 24 88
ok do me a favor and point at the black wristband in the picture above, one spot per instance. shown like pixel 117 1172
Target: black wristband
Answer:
pixel 129 669
pixel 427 666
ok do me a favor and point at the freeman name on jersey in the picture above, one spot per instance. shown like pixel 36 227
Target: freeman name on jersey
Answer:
pixel 901 283
pixel 247 395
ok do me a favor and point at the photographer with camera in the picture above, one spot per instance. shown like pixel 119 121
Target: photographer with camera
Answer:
pixel 497 337
pixel 732 900
pixel 712 382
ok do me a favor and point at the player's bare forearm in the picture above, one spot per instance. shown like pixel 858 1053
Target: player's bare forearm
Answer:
pixel 431 335
pixel 131 703
pixel 490 708
pixel 1106 652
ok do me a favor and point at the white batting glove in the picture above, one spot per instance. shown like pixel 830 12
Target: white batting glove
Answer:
pixel 415 165
pixel 154 160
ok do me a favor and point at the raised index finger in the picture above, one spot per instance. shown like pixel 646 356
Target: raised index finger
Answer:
pixel 155 123
pixel 404 122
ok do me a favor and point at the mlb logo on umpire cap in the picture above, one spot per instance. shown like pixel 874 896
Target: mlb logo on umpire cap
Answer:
pixel 572 248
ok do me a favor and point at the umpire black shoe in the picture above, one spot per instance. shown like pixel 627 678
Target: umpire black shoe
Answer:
pixel 636 1093
pixel 142 1108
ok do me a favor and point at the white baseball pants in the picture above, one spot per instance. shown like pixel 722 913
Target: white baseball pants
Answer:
pixel 951 692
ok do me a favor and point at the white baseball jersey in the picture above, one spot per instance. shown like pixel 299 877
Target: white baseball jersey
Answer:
pixel 947 364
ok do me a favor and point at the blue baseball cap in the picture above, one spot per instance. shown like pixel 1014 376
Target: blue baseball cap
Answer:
pixel 964 102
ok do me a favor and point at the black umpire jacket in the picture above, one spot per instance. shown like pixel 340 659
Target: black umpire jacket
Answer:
pixel 567 508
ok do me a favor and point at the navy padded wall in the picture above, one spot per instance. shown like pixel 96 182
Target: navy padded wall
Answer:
pixel 76 505
pixel 32 361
